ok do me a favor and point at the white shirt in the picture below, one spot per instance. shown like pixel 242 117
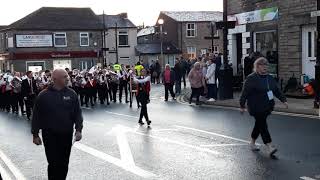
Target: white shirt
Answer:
pixel 211 74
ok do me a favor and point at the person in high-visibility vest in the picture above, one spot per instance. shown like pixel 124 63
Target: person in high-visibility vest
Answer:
pixel 138 69
pixel 117 68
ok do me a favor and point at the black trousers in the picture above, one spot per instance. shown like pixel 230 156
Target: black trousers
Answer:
pixel 2 105
pixel 15 102
pixel 261 128
pixel 88 96
pixel 102 93
pixel 29 104
pixel 8 100
pixel 168 87
pixel 144 112
pixel 114 88
pixel 196 92
pixel 184 80
pixel 82 95
pixel 57 147
pixel 123 86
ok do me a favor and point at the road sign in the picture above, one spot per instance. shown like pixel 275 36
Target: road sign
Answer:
pixel 315 13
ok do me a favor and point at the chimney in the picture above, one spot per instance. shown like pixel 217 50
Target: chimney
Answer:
pixel 124 15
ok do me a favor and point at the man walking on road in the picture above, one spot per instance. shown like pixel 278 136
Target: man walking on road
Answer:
pixel 29 92
pixel 57 112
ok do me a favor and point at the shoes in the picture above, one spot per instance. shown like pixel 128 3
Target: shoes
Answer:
pixel 148 122
pixel 190 101
pixel 166 100
pixel 108 104
pixel 254 147
pixel 271 150
pixel 211 100
pixel 198 103
pixel 141 123
pixel 174 99
pixel 127 101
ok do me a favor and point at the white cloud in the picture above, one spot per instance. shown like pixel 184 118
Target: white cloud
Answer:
pixel 139 11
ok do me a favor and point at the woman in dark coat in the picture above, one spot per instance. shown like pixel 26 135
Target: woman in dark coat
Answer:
pixel 258 91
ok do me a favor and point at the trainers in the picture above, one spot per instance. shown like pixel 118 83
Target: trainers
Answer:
pixel 211 100
pixel 272 150
pixel 254 147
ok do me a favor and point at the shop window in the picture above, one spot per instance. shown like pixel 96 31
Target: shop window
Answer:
pixel 266 43
pixel 192 52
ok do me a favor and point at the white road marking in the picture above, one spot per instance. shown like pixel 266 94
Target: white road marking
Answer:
pixel 130 168
pixel 178 143
pixel 4 173
pixel 182 101
pixel 215 134
pixel 306 178
pixel 15 171
pixel 121 114
pixel 159 130
pixel 125 151
pixel 223 145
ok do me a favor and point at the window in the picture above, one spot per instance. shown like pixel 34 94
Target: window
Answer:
pixel 83 65
pixel 215 49
pixel 203 51
pixel 123 38
pixel 191 30
pixel 192 52
pixel 84 39
pixel 216 34
pixel 60 39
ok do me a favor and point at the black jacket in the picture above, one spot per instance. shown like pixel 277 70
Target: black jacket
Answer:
pixel 26 89
pixel 58 111
pixel 255 91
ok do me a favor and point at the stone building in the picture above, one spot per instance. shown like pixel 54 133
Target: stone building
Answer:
pixel 51 38
pixel 282 30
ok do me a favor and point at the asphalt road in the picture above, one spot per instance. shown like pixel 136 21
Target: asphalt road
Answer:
pixel 184 142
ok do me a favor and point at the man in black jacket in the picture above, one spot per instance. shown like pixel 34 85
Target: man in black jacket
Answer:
pixel 29 92
pixel 57 113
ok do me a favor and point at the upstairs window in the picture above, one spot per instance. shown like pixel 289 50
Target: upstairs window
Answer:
pixel 191 30
pixel 84 39
pixel 60 39
pixel 123 38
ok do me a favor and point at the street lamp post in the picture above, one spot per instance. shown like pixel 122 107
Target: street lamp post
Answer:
pixel 317 67
pixel 160 22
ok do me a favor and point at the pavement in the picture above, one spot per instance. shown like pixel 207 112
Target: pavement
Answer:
pixel 184 142
pixel 296 106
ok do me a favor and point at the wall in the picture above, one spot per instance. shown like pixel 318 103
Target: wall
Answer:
pixel 122 51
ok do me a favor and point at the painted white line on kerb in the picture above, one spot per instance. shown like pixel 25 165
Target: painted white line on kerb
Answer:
pixel 215 134
pixel 121 114
pixel 306 178
pixel 130 168
pixel 4 174
pixel 223 145
pixel 11 166
pixel 178 143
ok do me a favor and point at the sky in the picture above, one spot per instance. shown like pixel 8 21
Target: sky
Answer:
pixel 139 11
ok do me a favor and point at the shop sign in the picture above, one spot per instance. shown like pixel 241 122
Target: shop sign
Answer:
pixel 268 14
pixel 27 41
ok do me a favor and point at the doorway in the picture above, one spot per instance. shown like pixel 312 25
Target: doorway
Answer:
pixel 309 51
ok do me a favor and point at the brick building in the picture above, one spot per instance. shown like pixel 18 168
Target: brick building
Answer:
pixel 52 38
pixel 282 30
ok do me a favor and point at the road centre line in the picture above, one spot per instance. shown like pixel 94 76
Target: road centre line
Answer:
pixel 178 143
pixel 215 134
pixel 15 171
pixel 306 178
pixel 223 145
pixel 128 167
pixel 4 174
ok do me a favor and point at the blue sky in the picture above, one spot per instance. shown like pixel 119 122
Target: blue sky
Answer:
pixel 139 11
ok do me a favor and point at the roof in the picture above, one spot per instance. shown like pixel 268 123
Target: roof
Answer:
pixel 155 48
pixel 194 16
pixel 146 31
pixel 3 27
pixel 59 18
pixel 111 20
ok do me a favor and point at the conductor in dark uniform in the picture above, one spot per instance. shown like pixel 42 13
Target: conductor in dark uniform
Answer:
pixel 29 92
pixel 57 113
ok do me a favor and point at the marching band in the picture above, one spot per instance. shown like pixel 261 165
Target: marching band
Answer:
pixel 96 84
